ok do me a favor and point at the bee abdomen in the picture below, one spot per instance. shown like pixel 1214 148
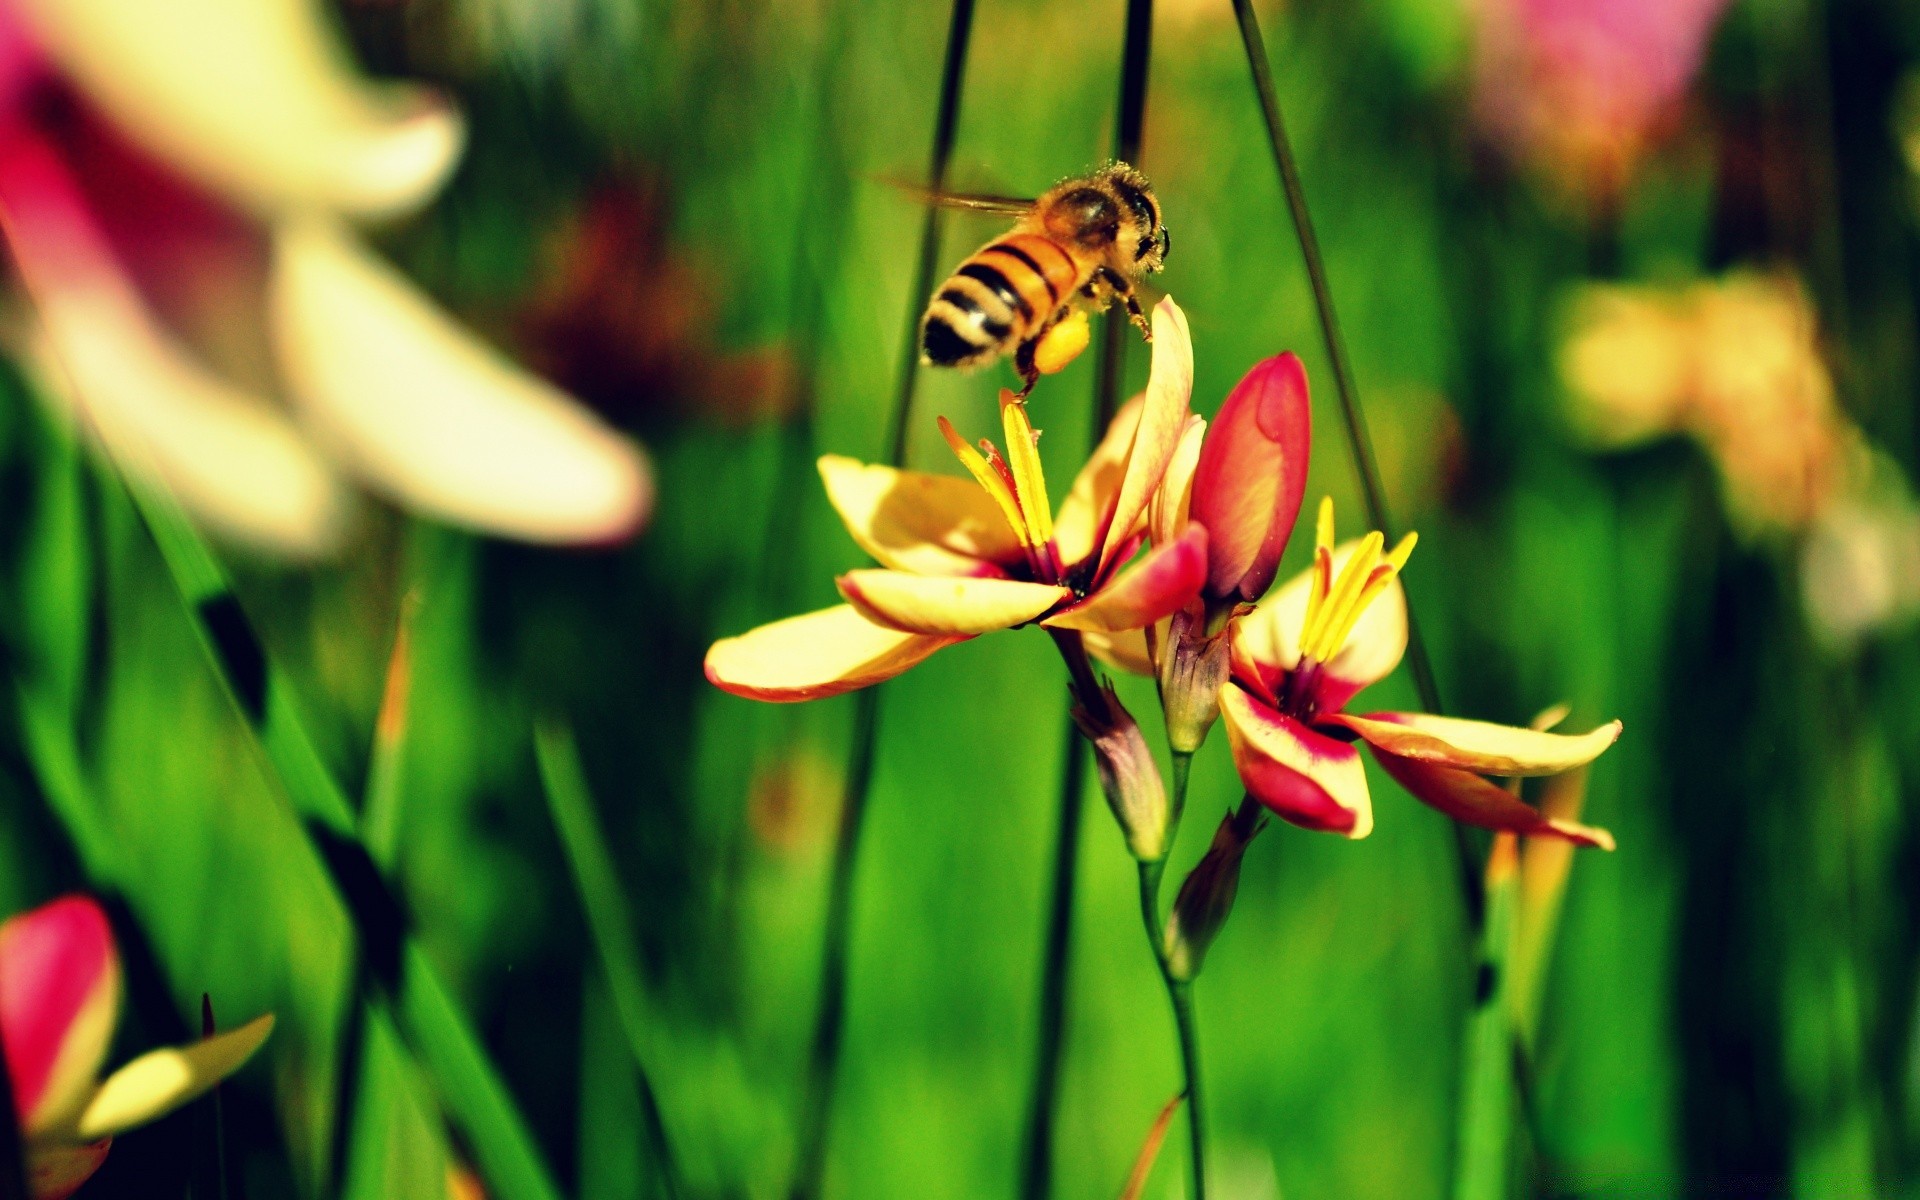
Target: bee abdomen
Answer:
pixel 996 298
pixel 965 324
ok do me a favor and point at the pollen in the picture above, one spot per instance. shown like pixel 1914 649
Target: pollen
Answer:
pixel 1335 605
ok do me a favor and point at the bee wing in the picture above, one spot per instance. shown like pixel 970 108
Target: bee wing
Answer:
pixel 1010 205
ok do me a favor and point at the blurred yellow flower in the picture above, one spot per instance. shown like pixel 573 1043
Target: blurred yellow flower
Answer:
pixel 173 184
pixel 1735 362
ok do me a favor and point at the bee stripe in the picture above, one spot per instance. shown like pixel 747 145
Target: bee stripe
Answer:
pixel 993 278
pixel 1040 293
pixel 1056 266
pixel 971 306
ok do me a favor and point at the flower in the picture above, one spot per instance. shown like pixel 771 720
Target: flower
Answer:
pixel 59 998
pixel 1242 480
pixel 961 558
pixel 1736 363
pixel 173 182
pixel 1302 655
pixel 1583 87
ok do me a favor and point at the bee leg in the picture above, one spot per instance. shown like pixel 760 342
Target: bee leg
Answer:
pixel 1023 363
pixel 1124 291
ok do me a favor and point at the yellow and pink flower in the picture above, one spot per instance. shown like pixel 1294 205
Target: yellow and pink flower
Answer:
pixel 1299 659
pixel 59 1001
pixel 960 557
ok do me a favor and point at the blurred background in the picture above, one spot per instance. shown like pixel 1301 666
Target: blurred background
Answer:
pixel 534 391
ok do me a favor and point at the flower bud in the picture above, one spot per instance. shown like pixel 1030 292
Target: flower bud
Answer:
pixel 1193 668
pixel 1128 775
pixel 1206 898
pixel 1251 478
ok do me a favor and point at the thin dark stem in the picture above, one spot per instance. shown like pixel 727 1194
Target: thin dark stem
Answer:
pixel 1355 420
pixel 829 1022
pixel 1134 55
pixel 13 1156
pixel 946 119
pixel 1037 1176
pixel 1352 416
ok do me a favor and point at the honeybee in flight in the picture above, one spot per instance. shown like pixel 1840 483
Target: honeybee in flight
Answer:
pixel 1079 247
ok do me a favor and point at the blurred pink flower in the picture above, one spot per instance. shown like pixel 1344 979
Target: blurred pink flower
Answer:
pixel 1582 87
pixel 174 181
pixel 59 1001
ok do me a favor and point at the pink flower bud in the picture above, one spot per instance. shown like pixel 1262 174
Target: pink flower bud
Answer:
pixel 1252 475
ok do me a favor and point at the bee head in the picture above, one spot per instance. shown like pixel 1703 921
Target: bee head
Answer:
pixel 1142 243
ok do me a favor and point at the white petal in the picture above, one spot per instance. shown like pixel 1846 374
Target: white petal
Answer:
pixel 434 417
pixel 255 98
pixel 229 457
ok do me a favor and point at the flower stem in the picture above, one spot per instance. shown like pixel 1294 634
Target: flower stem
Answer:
pixel 829 1021
pixel 1037 1177
pixel 1356 423
pixel 13 1156
pixel 1179 994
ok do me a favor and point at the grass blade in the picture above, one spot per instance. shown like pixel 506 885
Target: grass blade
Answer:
pixel 1149 1151
pixel 610 919
pixel 1482 1163
pixel 431 1024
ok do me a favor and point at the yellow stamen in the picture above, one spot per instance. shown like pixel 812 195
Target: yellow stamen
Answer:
pixel 1029 482
pixel 1334 607
pixel 1346 590
pixel 981 470
pixel 1376 583
pixel 1397 557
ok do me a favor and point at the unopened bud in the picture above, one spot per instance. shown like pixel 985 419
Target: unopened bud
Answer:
pixel 1193 669
pixel 1251 476
pixel 1128 775
pixel 1206 898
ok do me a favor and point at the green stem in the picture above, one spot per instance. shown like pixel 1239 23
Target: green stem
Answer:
pixel 13 1155
pixel 830 1020
pixel 1467 859
pixel 1037 1177
pixel 1179 994
pixel 1182 996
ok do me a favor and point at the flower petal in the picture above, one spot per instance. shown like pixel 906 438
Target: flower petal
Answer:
pixel 1479 746
pixel 255 98
pixel 1168 513
pixel 1077 522
pixel 947 604
pixel 1266 642
pixel 1125 650
pixel 428 413
pixel 59 996
pixel 158 1082
pixel 1163 419
pixel 1153 588
pixel 229 457
pixel 919 522
pixel 814 655
pixel 1252 475
pixel 55 1170
pixel 1304 776
pixel 1466 797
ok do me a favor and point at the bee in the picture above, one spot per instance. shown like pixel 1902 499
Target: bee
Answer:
pixel 1078 248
